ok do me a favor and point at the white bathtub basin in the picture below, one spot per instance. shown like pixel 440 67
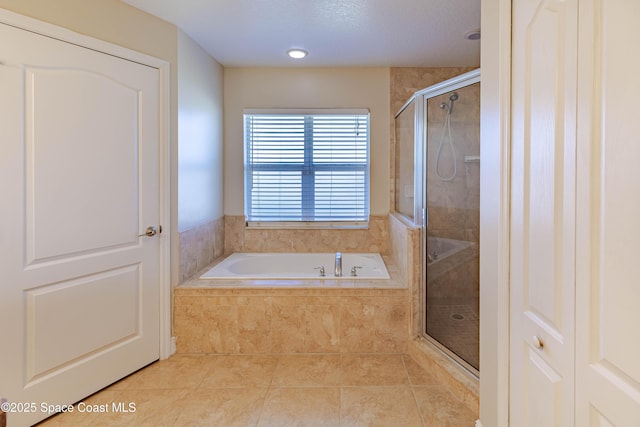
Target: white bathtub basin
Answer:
pixel 275 266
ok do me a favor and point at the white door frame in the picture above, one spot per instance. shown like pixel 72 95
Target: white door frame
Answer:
pixel 495 151
pixel 163 67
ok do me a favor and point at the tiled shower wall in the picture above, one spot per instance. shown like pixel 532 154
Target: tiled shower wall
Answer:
pixel 454 205
pixel 404 82
pixel 200 246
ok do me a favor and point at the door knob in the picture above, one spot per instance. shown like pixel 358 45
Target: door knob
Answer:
pixel 538 343
pixel 150 232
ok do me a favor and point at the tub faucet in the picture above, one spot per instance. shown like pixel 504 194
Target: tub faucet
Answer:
pixel 338 270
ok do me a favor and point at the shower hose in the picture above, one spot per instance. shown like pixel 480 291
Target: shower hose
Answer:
pixel 446 128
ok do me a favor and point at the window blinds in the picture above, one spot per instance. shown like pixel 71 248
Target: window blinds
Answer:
pixel 307 166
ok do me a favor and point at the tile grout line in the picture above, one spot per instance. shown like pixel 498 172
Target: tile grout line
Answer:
pixel 267 390
pixel 202 362
pixel 415 399
pixel 206 369
pixel 340 392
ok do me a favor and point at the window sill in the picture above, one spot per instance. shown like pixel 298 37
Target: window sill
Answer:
pixel 310 225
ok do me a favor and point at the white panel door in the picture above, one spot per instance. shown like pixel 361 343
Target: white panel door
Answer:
pixel 542 276
pixel 79 165
pixel 608 233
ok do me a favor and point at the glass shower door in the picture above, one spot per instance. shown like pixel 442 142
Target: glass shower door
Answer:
pixel 452 234
pixel 404 172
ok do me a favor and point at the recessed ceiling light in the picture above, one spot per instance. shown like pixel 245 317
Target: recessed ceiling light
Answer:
pixel 297 53
pixel 473 35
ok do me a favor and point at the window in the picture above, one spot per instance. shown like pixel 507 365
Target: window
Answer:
pixel 306 166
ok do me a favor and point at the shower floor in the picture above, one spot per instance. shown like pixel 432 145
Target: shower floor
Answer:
pixel 456 326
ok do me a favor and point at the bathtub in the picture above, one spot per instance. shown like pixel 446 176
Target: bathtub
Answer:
pixel 277 266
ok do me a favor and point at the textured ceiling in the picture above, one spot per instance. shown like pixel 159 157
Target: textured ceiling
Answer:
pixel 401 33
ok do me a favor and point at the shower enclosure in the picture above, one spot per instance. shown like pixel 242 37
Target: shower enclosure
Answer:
pixel 437 188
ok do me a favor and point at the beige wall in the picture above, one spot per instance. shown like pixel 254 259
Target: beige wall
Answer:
pixel 200 158
pixel 306 88
pixel 108 20
pixel 200 136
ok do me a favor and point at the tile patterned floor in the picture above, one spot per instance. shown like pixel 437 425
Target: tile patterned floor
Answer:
pixel 331 390
pixel 457 327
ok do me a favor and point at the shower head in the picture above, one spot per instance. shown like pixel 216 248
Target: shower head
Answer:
pixel 449 107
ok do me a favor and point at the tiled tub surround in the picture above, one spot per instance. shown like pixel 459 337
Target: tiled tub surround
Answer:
pixel 405 252
pixel 200 246
pixel 292 316
pixel 326 316
pixel 239 238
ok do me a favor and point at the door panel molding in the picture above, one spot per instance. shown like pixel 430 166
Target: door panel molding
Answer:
pixel 56 220
pixel 100 299
pixel 163 67
pixel 542 253
pixel 39 364
pixel 607 372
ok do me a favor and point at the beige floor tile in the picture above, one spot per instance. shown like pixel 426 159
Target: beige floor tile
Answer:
pixel 378 406
pixel 373 369
pixel 144 408
pixel 221 407
pixel 307 407
pixel 126 382
pixel 417 374
pixel 238 371
pixel 276 390
pixel 68 419
pixel 177 372
pixel 440 409
pixel 307 371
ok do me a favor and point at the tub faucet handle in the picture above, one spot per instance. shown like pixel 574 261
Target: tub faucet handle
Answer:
pixel 321 268
pixel 354 271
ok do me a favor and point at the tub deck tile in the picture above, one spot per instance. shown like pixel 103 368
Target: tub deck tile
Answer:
pixel 371 321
